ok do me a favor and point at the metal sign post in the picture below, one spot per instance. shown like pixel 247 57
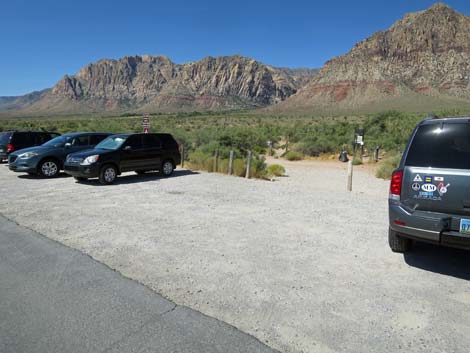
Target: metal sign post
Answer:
pixel 359 140
pixel 146 123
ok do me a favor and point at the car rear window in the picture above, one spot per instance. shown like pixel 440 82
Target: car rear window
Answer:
pixel 5 138
pixel 441 146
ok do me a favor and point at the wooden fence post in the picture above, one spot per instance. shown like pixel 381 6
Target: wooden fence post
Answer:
pixel 350 174
pixel 216 161
pixel 182 156
pixel 230 163
pixel 248 165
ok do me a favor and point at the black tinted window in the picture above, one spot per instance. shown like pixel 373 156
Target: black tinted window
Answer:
pixel 40 138
pixel 152 141
pixel 22 138
pixel 80 140
pixel 441 146
pixel 134 141
pixel 95 139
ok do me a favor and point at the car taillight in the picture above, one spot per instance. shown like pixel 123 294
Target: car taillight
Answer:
pixel 395 184
pixel 10 148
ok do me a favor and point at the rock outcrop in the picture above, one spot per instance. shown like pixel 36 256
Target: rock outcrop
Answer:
pixel 425 57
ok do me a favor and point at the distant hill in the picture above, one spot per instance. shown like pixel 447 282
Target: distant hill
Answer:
pixel 421 63
pixel 156 84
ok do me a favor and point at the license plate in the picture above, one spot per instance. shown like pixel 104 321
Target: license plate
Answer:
pixel 465 226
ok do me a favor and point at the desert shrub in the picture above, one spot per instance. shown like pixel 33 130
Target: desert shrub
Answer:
pixel 239 167
pixel 356 161
pixel 387 166
pixel 276 170
pixel 293 156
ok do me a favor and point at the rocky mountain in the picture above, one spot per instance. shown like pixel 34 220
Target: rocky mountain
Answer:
pixel 155 83
pixel 421 63
pixel 16 103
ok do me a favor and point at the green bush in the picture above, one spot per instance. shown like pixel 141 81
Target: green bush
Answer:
pixel 293 156
pixel 387 166
pixel 276 170
pixel 356 161
pixel 239 167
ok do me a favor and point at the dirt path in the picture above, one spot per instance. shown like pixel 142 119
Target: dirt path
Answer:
pixel 299 263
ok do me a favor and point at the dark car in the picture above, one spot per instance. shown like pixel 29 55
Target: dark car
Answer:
pixel 123 153
pixel 429 192
pixel 48 159
pixel 11 141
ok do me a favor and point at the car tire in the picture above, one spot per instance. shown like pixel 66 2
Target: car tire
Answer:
pixel 397 243
pixel 49 168
pixel 80 179
pixel 108 174
pixel 167 168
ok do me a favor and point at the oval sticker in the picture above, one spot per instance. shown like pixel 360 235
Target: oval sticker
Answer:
pixel 429 187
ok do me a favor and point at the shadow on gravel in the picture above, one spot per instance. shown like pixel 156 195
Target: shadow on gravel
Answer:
pixel 37 177
pixel 134 178
pixel 446 261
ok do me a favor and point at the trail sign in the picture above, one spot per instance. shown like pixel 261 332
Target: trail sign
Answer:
pixel 146 123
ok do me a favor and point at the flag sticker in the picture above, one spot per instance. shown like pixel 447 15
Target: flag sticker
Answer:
pixel 417 178
pixel 439 178
pixel 428 179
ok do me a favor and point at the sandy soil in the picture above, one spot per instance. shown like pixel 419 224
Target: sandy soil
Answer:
pixel 300 263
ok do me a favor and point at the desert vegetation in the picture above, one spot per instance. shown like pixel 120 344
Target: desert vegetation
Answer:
pixel 202 134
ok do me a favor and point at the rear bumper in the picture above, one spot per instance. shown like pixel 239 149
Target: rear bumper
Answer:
pixel 82 171
pixel 436 228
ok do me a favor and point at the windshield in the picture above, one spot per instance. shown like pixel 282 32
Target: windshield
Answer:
pixel 59 141
pixel 111 143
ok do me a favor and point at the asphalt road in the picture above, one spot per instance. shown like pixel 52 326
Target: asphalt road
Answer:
pixel 55 299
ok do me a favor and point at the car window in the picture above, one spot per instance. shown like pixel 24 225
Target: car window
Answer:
pixel 22 138
pixel 5 138
pixel 80 140
pixel 95 139
pixel 135 141
pixel 441 146
pixel 151 141
pixel 40 138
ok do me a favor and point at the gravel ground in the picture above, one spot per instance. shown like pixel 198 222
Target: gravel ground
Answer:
pixel 299 263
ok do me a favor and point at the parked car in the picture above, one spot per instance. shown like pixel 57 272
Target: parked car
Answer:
pixel 123 153
pixel 48 159
pixel 429 192
pixel 11 141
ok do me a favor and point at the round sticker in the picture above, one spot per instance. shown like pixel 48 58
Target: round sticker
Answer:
pixel 416 187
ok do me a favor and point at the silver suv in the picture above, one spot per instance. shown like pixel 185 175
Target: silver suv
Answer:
pixel 430 191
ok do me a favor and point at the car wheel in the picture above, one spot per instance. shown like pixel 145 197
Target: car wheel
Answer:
pixel 167 168
pixel 49 168
pixel 398 243
pixel 108 174
pixel 79 179
pixel 140 172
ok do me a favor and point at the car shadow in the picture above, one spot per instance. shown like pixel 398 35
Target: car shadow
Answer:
pixel 442 260
pixel 37 177
pixel 134 178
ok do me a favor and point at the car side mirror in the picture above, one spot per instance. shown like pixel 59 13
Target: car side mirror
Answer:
pixel 127 148
pixel 68 145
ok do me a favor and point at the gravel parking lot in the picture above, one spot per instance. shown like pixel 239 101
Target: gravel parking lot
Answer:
pixel 299 263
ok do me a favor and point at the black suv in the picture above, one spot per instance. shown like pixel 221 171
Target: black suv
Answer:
pixel 47 160
pixel 123 153
pixel 15 140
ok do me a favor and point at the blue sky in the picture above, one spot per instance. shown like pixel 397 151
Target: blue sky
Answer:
pixel 43 40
